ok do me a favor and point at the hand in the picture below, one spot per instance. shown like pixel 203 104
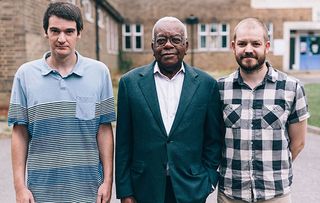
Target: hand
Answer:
pixel 128 200
pixel 104 193
pixel 24 195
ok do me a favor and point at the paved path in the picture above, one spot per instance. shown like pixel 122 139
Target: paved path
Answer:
pixel 306 171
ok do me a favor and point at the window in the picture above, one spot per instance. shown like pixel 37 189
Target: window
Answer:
pixel 213 37
pixel 112 36
pixel 88 10
pixel 270 34
pixel 100 18
pixel 132 39
pixel 72 1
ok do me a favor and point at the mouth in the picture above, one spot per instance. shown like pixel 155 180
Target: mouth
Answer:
pixel 168 54
pixel 62 47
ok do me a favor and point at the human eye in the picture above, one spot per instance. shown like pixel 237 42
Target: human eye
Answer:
pixel 176 40
pixel 256 44
pixel 161 40
pixel 70 31
pixel 54 30
pixel 241 43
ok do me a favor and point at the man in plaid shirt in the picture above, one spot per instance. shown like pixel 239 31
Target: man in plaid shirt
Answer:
pixel 265 114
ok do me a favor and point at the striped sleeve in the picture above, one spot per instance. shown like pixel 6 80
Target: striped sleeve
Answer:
pixel 17 113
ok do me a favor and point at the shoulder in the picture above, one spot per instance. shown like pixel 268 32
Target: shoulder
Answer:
pixel 92 62
pixel 31 67
pixel 289 82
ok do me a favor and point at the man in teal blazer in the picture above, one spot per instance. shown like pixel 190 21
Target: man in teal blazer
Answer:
pixel 170 128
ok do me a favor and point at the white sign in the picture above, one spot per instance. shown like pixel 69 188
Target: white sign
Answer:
pixel 278 47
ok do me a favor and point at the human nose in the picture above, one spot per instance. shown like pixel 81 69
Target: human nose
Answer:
pixel 168 43
pixel 61 38
pixel 248 48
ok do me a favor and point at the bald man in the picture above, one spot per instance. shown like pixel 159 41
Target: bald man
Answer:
pixel 265 114
pixel 169 129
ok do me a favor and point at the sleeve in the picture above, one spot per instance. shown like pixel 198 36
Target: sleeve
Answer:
pixel 107 107
pixel 214 138
pixel 123 144
pixel 299 110
pixel 17 113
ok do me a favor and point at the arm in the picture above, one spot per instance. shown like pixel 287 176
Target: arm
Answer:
pixel 297 133
pixel 19 151
pixel 214 135
pixel 105 145
pixel 123 144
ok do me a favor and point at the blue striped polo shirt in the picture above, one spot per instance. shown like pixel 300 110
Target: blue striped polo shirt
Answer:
pixel 62 115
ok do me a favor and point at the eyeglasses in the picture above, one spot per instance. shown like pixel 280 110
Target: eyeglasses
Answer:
pixel 174 40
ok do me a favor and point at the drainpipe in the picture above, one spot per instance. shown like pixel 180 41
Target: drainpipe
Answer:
pixel 192 20
pixel 97 30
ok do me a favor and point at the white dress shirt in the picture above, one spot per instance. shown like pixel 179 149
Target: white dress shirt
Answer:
pixel 168 91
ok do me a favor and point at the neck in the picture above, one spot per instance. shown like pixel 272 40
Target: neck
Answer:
pixel 63 65
pixel 169 71
pixel 253 79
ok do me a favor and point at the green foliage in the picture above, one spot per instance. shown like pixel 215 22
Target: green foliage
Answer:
pixel 124 63
pixel 313 96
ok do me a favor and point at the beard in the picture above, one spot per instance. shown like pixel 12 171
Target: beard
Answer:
pixel 250 68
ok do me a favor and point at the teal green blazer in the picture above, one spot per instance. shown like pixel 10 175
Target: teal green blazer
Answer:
pixel 192 150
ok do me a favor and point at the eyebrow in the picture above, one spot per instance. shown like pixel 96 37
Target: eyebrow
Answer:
pixel 67 29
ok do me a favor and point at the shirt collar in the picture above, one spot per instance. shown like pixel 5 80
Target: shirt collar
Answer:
pixel 46 69
pixel 156 70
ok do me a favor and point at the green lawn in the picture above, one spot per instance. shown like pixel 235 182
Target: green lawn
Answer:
pixel 313 95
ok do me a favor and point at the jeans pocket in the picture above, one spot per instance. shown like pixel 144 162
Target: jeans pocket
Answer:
pixel 85 108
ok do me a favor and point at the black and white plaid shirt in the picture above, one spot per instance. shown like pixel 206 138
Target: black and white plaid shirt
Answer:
pixel 257 162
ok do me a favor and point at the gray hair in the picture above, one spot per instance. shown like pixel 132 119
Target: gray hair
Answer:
pixel 169 19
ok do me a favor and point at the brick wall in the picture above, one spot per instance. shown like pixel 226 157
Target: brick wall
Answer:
pixel 22 39
pixel 207 11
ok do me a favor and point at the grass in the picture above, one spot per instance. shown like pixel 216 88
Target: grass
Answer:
pixel 313 96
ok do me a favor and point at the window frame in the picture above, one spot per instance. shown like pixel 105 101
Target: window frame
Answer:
pixel 88 14
pixel 209 34
pixel 112 36
pixel 133 34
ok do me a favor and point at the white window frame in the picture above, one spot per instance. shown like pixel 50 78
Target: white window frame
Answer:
pixel 133 34
pixel 218 33
pixel 101 18
pixel 270 34
pixel 88 10
pixel 112 36
pixel 73 1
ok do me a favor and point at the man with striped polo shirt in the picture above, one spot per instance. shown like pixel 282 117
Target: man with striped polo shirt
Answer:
pixel 265 114
pixel 61 110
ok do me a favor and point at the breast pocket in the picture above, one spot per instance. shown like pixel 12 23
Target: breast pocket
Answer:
pixel 85 108
pixel 232 115
pixel 274 117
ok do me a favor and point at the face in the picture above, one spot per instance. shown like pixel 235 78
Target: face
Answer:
pixel 62 35
pixel 250 48
pixel 170 45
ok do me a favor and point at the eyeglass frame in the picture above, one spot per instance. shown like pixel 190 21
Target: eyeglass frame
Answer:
pixel 170 38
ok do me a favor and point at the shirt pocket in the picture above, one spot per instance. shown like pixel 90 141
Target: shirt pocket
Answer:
pixel 232 115
pixel 273 117
pixel 85 108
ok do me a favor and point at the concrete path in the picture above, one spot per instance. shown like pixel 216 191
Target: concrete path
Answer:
pixel 306 171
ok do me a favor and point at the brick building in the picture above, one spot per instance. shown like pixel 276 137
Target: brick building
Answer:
pixel 125 32
pixel 22 36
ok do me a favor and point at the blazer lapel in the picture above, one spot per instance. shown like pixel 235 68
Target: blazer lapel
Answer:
pixel 189 87
pixel 149 91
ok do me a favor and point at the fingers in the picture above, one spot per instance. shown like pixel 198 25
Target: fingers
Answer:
pixel 103 198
